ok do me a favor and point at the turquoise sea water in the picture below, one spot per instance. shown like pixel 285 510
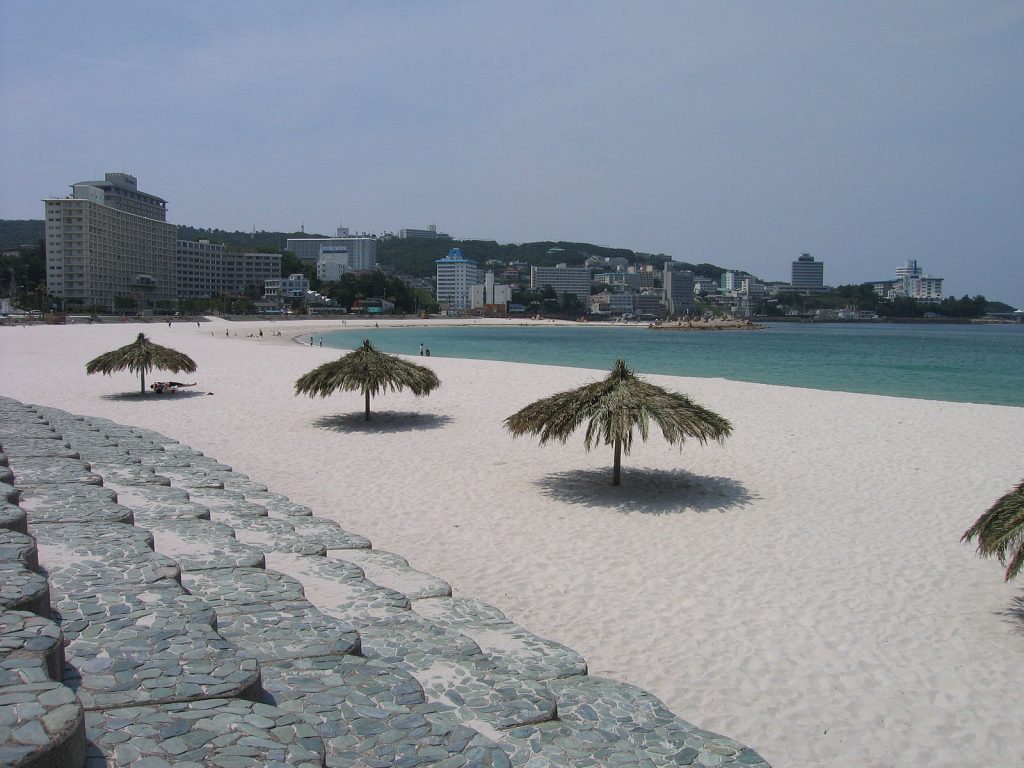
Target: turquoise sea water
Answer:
pixel 960 363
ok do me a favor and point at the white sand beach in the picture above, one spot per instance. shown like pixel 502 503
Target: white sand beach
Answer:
pixel 801 588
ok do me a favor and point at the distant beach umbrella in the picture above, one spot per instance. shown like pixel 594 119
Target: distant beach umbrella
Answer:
pixel 1000 531
pixel 141 356
pixel 369 371
pixel 612 408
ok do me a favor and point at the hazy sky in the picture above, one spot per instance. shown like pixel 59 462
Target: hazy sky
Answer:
pixel 739 133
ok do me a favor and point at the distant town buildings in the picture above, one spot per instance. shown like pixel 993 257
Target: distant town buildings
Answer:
pixel 455 274
pixel 361 250
pixel 911 282
pixel 109 241
pixel 489 298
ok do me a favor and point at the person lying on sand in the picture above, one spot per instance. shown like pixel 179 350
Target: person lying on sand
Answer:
pixel 159 387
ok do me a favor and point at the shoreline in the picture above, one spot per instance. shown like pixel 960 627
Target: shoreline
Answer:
pixel 801 588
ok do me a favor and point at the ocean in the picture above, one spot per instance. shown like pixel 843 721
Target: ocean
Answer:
pixel 958 363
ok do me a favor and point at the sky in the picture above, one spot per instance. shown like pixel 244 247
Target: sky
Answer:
pixel 737 133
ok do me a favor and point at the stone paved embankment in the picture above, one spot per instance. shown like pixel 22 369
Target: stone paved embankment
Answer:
pixel 157 609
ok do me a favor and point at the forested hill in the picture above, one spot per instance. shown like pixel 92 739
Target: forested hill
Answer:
pixel 414 256
pixel 17 232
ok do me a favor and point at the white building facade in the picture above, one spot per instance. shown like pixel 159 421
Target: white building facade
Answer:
pixel 455 275
pixel 362 250
pixel 110 241
pixel 204 270
pixel 563 279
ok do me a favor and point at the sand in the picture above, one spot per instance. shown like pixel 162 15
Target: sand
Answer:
pixel 801 588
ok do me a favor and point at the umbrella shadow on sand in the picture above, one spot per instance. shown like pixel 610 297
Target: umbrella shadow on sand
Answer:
pixel 382 422
pixel 132 397
pixel 647 491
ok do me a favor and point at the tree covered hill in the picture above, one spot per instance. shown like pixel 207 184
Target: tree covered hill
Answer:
pixel 15 233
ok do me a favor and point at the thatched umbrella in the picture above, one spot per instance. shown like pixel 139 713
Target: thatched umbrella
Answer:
pixel 370 372
pixel 613 408
pixel 141 356
pixel 1000 531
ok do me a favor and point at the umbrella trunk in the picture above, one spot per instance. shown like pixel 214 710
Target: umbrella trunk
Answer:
pixel 617 465
pixel 142 375
pixel 367 405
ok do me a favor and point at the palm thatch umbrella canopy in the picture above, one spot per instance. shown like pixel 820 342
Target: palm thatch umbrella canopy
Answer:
pixel 1000 531
pixel 369 371
pixel 612 409
pixel 141 356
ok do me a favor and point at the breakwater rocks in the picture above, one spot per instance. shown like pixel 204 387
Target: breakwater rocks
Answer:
pixel 158 608
pixel 705 325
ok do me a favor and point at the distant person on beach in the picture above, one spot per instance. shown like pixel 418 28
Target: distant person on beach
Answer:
pixel 321 341
pixel 421 350
pixel 311 341
pixel 428 352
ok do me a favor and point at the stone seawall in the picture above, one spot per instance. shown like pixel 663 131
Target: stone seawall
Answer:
pixel 158 608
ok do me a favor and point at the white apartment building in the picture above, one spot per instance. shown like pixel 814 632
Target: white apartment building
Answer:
pixel 455 275
pixel 362 250
pixel 204 270
pixel 563 279
pixel 107 241
pixel 482 294
pixel 292 287
pixel 911 282
pixel 334 261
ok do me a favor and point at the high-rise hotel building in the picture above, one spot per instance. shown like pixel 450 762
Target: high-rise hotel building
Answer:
pixel 108 240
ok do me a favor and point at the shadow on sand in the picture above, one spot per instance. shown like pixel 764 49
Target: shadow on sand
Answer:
pixel 1015 613
pixel 382 422
pixel 136 396
pixel 647 491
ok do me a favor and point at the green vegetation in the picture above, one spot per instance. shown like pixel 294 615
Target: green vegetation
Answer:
pixel 1000 531
pixel 612 408
pixel 864 298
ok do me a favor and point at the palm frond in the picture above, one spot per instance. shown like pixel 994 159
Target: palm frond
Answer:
pixel 1000 531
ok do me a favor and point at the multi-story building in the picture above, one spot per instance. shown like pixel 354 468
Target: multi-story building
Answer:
pixel 678 287
pixel 455 274
pixel 731 281
pixel 109 241
pixel 911 282
pixel 488 293
pixel 334 261
pixel 430 232
pixel 292 287
pixel 609 303
pixel 204 270
pixel 362 250
pixel 563 279
pixel 807 274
